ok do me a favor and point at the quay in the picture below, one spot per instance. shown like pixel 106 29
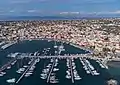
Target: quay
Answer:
pixel 88 67
pixel 51 70
pixel 71 70
pixel 23 55
pixel 8 64
pixel 1 43
pixel 26 71
pixel 65 56
pixel 7 45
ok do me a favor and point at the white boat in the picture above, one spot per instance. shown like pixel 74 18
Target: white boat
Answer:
pixel 43 74
pixel 8 67
pixel 11 80
pixel 54 81
pixel 48 66
pixel 74 67
pixel 95 72
pixel 55 69
pixel 30 71
pixel 56 60
pixel 68 76
pixel 27 75
pixel 43 77
pixel 13 62
pixel 45 71
pixel 77 78
pixel 55 46
pixel 25 66
pixel 1 74
pixel 22 69
pixel 51 60
pixel 87 71
pixel 18 71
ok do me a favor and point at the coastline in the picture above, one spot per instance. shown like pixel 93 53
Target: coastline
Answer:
pixel 115 64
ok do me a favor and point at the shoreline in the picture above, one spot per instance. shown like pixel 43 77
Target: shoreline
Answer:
pixel 115 64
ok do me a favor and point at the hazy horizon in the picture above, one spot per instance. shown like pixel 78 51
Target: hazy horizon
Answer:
pixel 59 7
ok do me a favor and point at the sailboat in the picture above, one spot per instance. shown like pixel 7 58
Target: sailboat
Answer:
pixel 11 80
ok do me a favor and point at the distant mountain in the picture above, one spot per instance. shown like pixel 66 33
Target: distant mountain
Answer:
pixel 56 17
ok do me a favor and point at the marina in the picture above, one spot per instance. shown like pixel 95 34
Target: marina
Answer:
pixel 48 67
pixel 6 45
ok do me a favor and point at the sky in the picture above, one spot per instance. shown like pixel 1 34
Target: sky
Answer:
pixel 58 7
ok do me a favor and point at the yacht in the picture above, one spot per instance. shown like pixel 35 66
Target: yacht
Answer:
pixel 45 70
pixel 95 72
pixel 25 66
pixel 55 46
pixel 54 81
pixel 56 60
pixel 43 77
pixel 8 67
pixel 56 64
pixel 20 70
pixel 68 76
pixel 49 65
pixel 27 75
pixel 11 80
pixel 43 74
pixel 78 78
pixel 1 74
pixel 51 60
pixel 13 62
pixel 74 67
pixel 55 69
pixel 87 71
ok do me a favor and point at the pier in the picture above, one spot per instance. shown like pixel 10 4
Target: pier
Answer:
pixel 8 64
pixel 26 71
pixel 31 64
pixel 71 71
pixel 7 45
pixel 51 70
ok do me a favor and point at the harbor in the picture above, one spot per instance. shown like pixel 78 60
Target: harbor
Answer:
pixel 48 66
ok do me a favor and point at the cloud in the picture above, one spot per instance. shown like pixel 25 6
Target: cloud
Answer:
pixel 25 1
pixel 20 1
pixel 1 11
pixel 69 13
pixel 109 12
pixel 33 11
pixel 12 11
pixel 99 1
pixel 93 13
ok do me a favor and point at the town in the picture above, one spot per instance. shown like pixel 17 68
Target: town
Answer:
pixel 98 35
